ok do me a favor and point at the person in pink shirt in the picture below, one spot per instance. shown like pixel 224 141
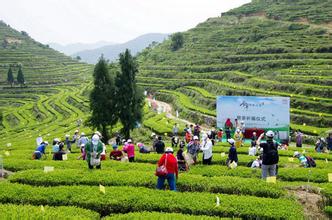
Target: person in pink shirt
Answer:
pixel 129 148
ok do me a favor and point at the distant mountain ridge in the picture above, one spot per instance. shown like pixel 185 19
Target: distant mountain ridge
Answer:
pixel 112 52
pixel 70 49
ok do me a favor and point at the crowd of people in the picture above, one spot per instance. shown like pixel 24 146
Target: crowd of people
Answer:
pixel 194 142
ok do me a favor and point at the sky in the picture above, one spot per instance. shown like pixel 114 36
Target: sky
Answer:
pixel 89 21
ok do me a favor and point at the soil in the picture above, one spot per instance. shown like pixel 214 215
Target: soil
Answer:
pixel 312 203
pixel 167 108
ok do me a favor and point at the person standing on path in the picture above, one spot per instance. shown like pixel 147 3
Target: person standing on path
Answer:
pixel 270 155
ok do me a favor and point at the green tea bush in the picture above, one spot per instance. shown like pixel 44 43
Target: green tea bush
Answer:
pixel 11 211
pixel 161 216
pixel 129 199
pixel 186 182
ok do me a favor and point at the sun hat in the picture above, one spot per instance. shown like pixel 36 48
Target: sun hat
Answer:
pixel 98 133
pixel 169 150
pixel 231 141
pixel 270 134
pixel 95 139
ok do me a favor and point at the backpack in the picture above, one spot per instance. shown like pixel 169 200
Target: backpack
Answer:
pixel 311 161
pixel 271 156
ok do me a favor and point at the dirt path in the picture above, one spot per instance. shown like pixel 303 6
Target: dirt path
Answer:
pixel 167 108
pixel 312 203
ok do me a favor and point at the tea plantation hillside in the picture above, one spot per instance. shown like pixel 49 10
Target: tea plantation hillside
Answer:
pixel 265 48
pixel 54 83
pixel 262 48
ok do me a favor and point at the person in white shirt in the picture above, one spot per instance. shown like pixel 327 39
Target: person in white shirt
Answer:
pixel 83 140
pixel 206 147
pixel 257 163
pixel 252 151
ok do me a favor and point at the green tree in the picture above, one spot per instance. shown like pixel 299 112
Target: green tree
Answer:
pixel 102 101
pixel 20 77
pixel 177 41
pixel 10 77
pixel 130 99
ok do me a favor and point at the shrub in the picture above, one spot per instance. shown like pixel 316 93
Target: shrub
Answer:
pixel 11 211
pixel 129 199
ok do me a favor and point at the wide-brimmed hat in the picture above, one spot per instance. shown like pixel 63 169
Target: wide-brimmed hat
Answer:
pixel 231 141
pixel 95 139
pixel 169 150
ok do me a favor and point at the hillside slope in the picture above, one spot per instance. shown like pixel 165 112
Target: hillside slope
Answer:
pixel 54 86
pixel 112 52
pixel 262 48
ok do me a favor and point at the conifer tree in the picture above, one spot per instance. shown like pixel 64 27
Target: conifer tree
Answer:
pixel 102 101
pixel 10 77
pixel 130 99
pixel 20 77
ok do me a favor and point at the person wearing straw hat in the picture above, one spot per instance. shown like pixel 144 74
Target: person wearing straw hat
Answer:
pixel 169 161
pixel 93 150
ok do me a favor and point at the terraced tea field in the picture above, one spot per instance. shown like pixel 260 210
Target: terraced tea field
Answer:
pixel 257 49
pixel 244 52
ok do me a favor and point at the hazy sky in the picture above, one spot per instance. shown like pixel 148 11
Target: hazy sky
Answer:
pixel 72 21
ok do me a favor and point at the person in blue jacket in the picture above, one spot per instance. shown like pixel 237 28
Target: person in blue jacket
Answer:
pixel 40 150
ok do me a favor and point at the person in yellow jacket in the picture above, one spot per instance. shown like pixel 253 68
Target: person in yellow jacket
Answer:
pixel 238 136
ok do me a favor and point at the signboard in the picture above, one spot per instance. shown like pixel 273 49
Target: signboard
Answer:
pixel 267 113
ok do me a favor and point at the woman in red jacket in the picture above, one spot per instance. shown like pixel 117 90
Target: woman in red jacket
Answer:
pixel 168 160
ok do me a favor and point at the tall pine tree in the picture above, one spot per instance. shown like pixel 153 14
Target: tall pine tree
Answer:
pixel 130 99
pixel 20 77
pixel 102 101
pixel 10 77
